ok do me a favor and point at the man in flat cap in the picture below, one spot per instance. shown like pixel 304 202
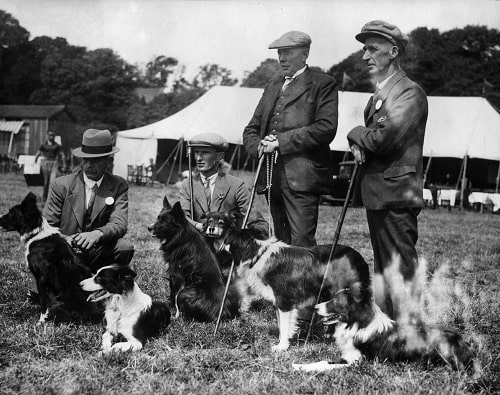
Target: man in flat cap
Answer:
pixel 295 121
pixel 90 206
pixel 213 189
pixel 389 149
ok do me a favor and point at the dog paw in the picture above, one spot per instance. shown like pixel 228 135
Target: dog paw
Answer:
pixel 126 346
pixel 280 347
pixel 321 366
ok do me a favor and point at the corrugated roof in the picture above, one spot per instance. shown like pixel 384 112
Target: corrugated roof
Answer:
pixel 11 126
pixel 17 111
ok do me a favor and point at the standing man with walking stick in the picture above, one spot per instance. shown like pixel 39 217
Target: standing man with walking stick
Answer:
pixel 295 121
pixel 390 148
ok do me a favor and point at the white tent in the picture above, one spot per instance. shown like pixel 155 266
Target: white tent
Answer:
pixel 457 126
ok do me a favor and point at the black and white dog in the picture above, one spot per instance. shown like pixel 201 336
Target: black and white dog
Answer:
pixel 53 263
pixel 290 277
pixel 129 311
pixel 364 331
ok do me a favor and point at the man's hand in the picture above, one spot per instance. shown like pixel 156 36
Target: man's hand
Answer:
pixel 359 153
pixel 87 240
pixel 268 145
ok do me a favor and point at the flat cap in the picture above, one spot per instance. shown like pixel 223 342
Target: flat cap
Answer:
pixel 209 140
pixel 386 30
pixel 293 39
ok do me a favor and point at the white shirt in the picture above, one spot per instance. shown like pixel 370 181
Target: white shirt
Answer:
pixel 380 85
pixel 89 184
pixel 289 80
pixel 211 182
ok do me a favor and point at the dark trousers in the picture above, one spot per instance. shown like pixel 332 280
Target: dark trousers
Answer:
pixel 295 214
pixel 394 234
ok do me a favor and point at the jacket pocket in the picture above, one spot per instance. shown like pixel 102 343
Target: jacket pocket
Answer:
pixel 393 172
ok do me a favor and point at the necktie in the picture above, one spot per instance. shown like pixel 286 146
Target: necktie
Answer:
pixel 288 81
pixel 208 193
pixel 93 192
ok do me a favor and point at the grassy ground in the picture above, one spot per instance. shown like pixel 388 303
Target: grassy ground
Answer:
pixel 462 251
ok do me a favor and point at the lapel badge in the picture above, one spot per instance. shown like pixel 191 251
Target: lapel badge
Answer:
pixel 220 196
pixel 378 104
pixel 109 201
pixel 381 119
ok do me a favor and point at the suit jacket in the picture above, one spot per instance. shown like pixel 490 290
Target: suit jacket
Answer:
pixel 65 207
pixel 230 194
pixel 393 139
pixel 310 116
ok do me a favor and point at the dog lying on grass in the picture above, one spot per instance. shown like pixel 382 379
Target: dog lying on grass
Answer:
pixel 196 282
pixel 364 331
pixel 129 311
pixel 290 277
pixel 56 268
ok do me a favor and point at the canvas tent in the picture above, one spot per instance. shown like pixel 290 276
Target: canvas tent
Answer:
pixel 457 126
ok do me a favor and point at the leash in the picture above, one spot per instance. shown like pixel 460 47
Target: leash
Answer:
pixel 191 202
pixel 243 225
pixel 270 161
pixel 334 246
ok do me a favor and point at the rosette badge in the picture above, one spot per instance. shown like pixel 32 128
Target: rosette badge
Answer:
pixel 109 201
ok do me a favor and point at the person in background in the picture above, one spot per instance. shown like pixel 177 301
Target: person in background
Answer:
pixel 214 189
pixel 295 120
pixel 50 154
pixel 389 149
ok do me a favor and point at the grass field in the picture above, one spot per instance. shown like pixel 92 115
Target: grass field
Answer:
pixel 462 251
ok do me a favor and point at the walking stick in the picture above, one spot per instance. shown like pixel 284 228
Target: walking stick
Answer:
pixel 191 203
pixel 243 225
pixel 335 242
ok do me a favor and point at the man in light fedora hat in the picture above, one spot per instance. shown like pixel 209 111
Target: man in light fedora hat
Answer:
pixel 91 205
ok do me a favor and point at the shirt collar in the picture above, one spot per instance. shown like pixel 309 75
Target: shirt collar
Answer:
pixel 297 73
pixel 210 179
pixel 90 183
pixel 380 85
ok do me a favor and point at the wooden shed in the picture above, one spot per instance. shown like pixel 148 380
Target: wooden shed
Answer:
pixel 24 128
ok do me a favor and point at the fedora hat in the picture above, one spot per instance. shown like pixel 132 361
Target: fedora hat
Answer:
pixel 95 143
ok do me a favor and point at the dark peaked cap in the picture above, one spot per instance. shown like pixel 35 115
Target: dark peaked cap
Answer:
pixel 293 39
pixel 209 140
pixel 386 30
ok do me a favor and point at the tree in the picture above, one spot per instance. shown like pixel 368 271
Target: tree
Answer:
pixel 268 70
pixel 211 75
pixel 158 70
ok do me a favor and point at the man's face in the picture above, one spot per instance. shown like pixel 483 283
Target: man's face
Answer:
pixel 51 136
pixel 207 159
pixel 378 54
pixel 292 59
pixel 94 168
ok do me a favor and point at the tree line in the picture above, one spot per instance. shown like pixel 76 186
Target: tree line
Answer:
pixel 98 86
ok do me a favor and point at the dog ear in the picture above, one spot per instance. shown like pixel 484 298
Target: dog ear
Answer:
pixel 166 203
pixel 29 200
pixel 357 291
pixel 236 218
pixel 178 213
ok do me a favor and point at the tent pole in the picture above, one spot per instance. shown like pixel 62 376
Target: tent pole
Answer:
pixel 427 169
pixel 239 158
pixel 498 178
pixel 232 155
pixel 177 149
pixel 180 156
pixel 166 160
pixel 462 188
pixel 460 174
pixel 248 158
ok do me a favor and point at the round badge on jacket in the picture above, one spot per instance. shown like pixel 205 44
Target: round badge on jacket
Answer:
pixel 378 104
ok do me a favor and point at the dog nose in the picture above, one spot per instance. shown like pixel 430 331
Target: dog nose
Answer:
pixel 211 229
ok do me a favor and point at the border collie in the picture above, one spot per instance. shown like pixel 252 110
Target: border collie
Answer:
pixel 129 311
pixel 290 277
pixel 216 225
pixel 196 282
pixel 53 263
pixel 364 331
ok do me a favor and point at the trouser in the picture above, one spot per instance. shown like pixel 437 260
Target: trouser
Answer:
pixel 295 214
pixel 394 234
pixel 49 172
pixel 119 252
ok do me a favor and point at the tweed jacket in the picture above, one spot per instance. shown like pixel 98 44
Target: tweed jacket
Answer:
pixel 230 194
pixel 393 138
pixel 65 207
pixel 310 115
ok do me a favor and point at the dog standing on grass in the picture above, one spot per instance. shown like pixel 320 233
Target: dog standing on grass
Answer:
pixel 129 311
pixel 53 263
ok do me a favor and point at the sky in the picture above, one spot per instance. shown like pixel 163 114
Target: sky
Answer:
pixel 234 34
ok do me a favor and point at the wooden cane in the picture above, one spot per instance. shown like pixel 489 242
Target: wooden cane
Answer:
pixel 243 225
pixel 335 242
pixel 191 203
